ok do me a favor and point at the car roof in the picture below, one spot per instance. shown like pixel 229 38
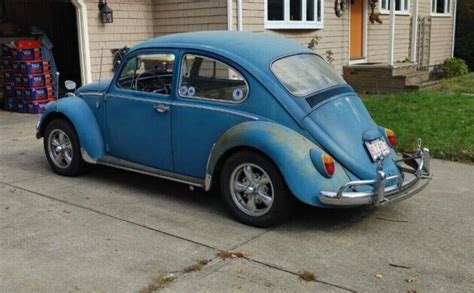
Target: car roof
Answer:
pixel 258 49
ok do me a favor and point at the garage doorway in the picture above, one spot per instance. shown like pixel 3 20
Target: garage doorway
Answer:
pixel 58 20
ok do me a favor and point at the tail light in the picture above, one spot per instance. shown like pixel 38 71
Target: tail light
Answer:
pixel 392 139
pixel 328 164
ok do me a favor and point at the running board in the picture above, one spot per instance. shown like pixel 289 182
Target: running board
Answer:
pixel 118 163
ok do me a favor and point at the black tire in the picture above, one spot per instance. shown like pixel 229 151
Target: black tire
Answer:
pixel 283 201
pixel 77 165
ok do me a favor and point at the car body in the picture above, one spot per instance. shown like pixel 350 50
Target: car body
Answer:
pixel 181 105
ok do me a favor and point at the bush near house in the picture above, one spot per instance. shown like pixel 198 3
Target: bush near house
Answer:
pixel 443 118
pixel 454 67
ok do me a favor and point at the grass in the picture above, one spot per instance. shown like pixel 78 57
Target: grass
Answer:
pixel 443 118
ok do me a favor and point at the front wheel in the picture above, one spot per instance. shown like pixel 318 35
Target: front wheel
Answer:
pixel 62 148
pixel 254 190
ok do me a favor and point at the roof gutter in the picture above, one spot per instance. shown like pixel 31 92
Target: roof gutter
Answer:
pixel 455 12
pixel 229 15
pixel 239 16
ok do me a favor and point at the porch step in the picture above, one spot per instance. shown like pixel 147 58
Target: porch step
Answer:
pixel 382 78
pixel 424 85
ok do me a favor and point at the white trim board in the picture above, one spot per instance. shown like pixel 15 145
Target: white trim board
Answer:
pixel 83 38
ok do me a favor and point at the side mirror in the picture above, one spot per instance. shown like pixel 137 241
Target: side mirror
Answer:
pixel 70 85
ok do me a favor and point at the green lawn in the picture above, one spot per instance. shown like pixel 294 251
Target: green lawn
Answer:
pixel 443 118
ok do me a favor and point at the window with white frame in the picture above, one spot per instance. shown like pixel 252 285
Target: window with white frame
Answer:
pixel 440 6
pixel 401 6
pixel 294 14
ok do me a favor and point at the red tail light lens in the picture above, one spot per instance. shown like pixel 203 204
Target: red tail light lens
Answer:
pixel 328 164
pixel 392 139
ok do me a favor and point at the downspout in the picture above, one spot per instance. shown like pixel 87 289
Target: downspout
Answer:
pixel 229 15
pixel 455 12
pixel 414 33
pixel 239 16
pixel 391 40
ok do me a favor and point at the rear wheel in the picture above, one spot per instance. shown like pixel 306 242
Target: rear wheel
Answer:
pixel 62 148
pixel 254 190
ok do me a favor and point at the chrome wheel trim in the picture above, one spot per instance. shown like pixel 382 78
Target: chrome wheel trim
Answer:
pixel 60 148
pixel 251 189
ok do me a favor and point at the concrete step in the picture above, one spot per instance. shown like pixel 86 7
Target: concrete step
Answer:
pixel 424 85
pixel 404 69
pixel 417 77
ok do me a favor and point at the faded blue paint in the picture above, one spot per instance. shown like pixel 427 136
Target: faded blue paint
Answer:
pixel 83 120
pixel 285 127
pixel 289 151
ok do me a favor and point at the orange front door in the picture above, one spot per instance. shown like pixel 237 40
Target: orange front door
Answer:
pixel 357 29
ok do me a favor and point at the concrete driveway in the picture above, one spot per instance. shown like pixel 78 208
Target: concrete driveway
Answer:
pixel 115 231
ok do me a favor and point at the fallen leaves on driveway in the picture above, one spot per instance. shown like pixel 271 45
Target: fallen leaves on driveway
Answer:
pixel 196 267
pixel 410 279
pixel 307 276
pixel 159 283
pixel 378 276
pixel 229 254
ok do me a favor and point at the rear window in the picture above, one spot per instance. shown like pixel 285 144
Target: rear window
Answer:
pixel 304 74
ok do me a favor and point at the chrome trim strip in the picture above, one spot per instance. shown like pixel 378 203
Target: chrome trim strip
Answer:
pixel 142 169
pixel 91 94
pixel 157 101
pixel 220 110
pixel 86 157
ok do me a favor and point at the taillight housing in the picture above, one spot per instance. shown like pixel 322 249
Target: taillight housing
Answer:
pixel 392 138
pixel 328 164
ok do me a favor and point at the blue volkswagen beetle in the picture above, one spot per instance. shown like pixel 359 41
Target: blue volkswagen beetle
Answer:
pixel 260 118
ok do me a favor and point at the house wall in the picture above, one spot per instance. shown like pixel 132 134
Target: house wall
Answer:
pixel 334 36
pixel 139 20
pixel 133 23
pixel 172 16
pixel 438 34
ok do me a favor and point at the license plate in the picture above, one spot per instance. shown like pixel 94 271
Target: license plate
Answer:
pixel 377 148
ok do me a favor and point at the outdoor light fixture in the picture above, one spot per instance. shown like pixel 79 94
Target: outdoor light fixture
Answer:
pixel 106 13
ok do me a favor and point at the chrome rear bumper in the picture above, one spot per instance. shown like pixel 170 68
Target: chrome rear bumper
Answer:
pixel 418 170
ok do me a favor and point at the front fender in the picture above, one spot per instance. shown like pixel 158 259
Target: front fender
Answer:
pixel 289 150
pixel 80 115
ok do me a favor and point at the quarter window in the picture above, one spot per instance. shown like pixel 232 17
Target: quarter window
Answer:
pixel 148 73
pixel 207 78
pixel 440 6
pixel 294 14
pixel 401 6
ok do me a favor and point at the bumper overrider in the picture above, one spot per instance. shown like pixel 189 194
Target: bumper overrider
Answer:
pixel 415 166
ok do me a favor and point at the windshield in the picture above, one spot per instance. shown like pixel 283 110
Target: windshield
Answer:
pixel 304 74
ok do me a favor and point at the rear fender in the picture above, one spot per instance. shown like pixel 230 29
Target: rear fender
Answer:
pixel 290 152
pixel 80 115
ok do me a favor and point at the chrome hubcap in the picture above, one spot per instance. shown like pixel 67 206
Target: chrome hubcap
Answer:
pixel 251 189
pixel 60 148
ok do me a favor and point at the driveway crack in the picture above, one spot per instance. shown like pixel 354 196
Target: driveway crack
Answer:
pixel 269 265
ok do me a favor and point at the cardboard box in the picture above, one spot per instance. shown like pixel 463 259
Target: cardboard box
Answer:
pixel 31 67
pixel 8 76
pixel 10 89
pixel 37 107
pixel 36 80
pixel 9 103
pixel 42 93
pixel 27 54
pixel 28 44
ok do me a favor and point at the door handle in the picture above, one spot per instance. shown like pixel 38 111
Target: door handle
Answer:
pixel 161 108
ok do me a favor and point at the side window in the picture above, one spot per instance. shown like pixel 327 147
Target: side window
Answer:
pixel 207 78
pixel 148 73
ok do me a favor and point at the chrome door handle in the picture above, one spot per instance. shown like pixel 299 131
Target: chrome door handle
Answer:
pixel 161 108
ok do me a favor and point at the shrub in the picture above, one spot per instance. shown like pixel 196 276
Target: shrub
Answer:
pixel 454 67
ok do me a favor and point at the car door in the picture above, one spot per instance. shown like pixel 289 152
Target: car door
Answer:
pixel 211 99
pixel 137 110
